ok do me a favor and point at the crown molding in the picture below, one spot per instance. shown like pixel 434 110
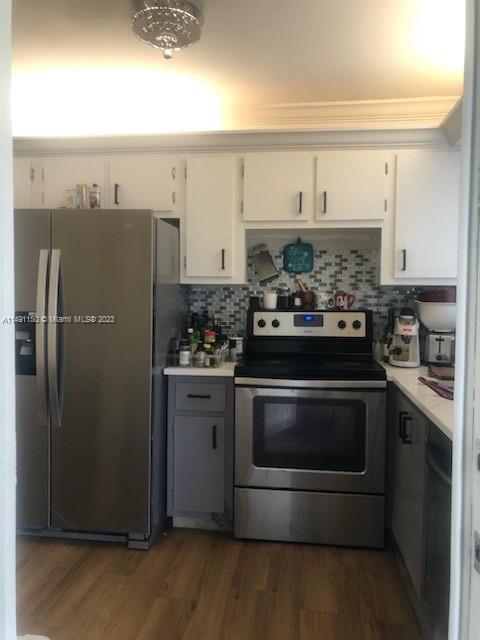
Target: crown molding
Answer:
pixel 232 141
pixel 385 123
pixel 452 124
pixel 417 113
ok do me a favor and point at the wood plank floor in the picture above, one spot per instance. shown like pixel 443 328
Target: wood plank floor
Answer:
pixel 196 585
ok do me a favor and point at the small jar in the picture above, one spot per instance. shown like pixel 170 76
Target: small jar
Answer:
pixel 184 354
pixel 199 358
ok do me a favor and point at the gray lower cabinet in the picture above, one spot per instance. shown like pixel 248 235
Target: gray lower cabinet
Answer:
pixel 408 521
pixel 199 462
pixel 421 512
pixel 200 448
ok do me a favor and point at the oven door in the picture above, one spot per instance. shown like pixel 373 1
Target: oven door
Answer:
pixel 310 439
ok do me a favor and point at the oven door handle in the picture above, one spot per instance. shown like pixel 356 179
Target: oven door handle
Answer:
pixel 311 384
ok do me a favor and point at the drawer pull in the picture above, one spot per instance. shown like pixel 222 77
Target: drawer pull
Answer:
pixel 195 396
pixel 214 436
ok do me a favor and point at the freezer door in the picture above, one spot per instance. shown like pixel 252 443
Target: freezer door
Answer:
pixel 32 245
pixel 102 357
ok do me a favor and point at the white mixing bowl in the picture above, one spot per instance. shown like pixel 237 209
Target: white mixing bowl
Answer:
pixel 438 316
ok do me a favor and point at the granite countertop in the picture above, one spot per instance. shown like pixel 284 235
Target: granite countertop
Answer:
pixel 226 371
pixel 437 409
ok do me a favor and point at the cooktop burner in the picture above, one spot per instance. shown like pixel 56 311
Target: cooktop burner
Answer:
pixel 309 368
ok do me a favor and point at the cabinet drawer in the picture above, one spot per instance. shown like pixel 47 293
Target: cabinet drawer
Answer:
pixel 200 397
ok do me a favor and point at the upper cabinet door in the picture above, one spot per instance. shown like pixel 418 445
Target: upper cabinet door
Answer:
pixel 278 186
pixel 144 182
pixel 427 213
pixel 353 185
pixel 62 174
pixel 22 183
pixel 209 216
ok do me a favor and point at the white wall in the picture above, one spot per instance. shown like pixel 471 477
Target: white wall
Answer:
pixel 7 377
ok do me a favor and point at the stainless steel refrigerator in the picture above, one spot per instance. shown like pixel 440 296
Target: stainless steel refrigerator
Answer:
pixel 97 302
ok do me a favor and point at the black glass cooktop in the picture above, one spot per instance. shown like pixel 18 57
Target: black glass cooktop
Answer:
pixel 315 367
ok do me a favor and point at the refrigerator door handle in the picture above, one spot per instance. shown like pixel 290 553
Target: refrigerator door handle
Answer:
pixel 41 335
pixel 55 339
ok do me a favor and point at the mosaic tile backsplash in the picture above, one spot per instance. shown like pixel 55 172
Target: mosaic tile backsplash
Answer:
pixel 350 270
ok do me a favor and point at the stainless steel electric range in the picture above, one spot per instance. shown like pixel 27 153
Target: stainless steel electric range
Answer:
pixel 310 418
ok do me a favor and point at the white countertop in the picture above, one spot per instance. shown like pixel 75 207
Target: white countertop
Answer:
pixel 225 371
pixel 437 409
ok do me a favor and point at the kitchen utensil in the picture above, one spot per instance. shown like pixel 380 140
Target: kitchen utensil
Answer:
pixel 440 389
pixel 270 300
pixel 263 263
pixel 301 285
pixel 298 257
pixel 437 316
pixel 308 300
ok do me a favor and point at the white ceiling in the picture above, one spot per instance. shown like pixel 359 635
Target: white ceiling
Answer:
pixel 259 52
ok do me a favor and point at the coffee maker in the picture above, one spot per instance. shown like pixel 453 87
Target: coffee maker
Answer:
pixel 404 349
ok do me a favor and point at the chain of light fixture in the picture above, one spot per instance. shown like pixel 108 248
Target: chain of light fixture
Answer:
pixel 169 25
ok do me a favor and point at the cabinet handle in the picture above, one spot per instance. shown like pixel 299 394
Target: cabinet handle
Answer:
pixel 401 424
pixel 174 197
pixel 214 436
pixel 223 259
pixel 404 259
pixel 300 202
pixel 197 396
pixel 116 187
pixel 324 202
pixel 406 439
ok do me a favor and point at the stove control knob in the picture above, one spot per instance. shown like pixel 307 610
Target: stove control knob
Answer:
pixel 357 324
pixel 275 323
pixel 261 323
pixel 342 324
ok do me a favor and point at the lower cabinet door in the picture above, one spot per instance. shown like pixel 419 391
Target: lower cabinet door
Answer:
pixel 199 464
pixel 409 490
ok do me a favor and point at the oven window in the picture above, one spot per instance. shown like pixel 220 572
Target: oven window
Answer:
pixel 322 435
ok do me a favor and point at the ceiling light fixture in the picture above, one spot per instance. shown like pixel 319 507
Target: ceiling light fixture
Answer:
pixel 169 25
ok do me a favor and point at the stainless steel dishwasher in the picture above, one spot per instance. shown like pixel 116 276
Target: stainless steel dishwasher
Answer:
pixel 438 519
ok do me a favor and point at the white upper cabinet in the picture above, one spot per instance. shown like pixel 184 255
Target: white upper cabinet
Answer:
pixel 64 173
pixel 209 221
pixel 278 186
pixel 353 185
pixel 427 214
pixel 144 182
pixel 22 183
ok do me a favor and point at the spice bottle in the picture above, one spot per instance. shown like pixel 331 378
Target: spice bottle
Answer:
pixel 184 354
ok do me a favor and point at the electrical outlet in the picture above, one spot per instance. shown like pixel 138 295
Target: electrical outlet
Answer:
pixel 477 551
